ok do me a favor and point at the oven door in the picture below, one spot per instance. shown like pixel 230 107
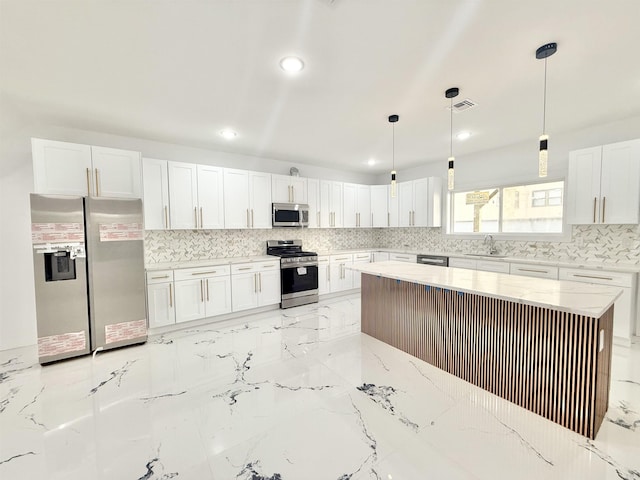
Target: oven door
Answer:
pixel 298 280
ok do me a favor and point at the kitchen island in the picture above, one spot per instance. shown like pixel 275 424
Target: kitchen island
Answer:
pixel 542 344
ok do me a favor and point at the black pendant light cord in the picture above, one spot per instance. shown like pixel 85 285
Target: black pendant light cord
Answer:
pixel 451 128
pixel 393 145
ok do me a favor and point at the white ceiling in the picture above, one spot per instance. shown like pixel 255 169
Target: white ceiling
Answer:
pixel 180 71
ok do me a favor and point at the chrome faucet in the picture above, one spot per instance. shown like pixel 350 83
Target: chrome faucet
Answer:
pixel 492 245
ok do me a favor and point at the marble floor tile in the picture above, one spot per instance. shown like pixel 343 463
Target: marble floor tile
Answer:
pixel 290 394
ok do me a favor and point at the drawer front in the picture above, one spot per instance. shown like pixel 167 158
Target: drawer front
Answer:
pixel 323 260
pixel 255 267
pixel 201 272
pixel 344 258
pixel 499 267
pixel 538 271
pixel 403 257
pixel 602 277
pixel 361 257
pixel 159 276
pixel 463 263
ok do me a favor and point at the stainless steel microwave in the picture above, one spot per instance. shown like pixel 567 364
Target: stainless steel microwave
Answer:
pixel 290 215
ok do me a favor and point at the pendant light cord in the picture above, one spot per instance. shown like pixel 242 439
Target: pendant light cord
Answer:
pixel 393 145
pixel 451 129
pixel 544 99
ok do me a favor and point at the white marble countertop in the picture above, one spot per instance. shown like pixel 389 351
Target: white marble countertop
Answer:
pixel 561 295
pixel 208 262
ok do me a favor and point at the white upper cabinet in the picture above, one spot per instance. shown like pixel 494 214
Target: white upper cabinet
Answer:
pixel 61 168
pixel 117 173
pixel 380 215
pixel 356 205
pixel 155 177
pixel 183 195
pixel 331 204
pixel 247 199
pixel 363 204
pixel 420 203
pixel 288 189
pixel 603 184
pixel 313 200
pixel 210 197
pixel 73 169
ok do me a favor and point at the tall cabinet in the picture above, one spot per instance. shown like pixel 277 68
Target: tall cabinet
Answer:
pixel 603 185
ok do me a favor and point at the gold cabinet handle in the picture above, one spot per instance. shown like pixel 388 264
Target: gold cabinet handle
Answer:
pixel 388 219
pixel 595 202
pixel 207 280
pixel 170 295
pixel 532 270
pixel 201 291
pixel 195 213
pixel 97 183
pixel 205 273
pixel 329 272
pixel 318 216
pixel 252 218
pixel 592 276
pixel 158 278
pixel 255 283
pixel 248 224
pixel 245 268
pixel 259 282
pixel 166 217
pixel 604 206
pixel 201 222
pixel 88 182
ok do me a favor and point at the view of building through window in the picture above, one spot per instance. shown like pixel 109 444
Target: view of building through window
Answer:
pixel 533 208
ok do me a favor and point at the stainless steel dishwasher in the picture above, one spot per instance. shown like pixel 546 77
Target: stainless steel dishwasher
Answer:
pixel 437 260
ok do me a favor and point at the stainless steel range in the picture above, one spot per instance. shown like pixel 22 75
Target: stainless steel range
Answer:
pixel 298 272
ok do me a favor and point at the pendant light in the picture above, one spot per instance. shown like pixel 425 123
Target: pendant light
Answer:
pixel 544 52
pixel 392 120
pixel 451 94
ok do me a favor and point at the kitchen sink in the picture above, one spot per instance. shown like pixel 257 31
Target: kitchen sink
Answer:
pixel 486 255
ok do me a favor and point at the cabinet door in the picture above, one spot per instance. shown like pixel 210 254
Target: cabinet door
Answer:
pixel 363 205
pixel 421 202
pixel 281 189
pixel 117 173
pixel 405 204
pixel 622 315
pixel 217 295
pixel 155 194
pixel 380 205
pixel 269 287
pixel 161 304
pixel 394 209
pixel 434 214
pixel 380 256
pixel 210 197
pixel 583 186
pixel 620 183
pixel 299 190
pixel 244 291
pixel 335 277
pixel 236 199
pixel 260 199
pixel 313 200
pixel 325 204
pixel 190 297
pixel 349 199
pixel 336 199
pixel 324 277
pixel 61 168
pixel 183 195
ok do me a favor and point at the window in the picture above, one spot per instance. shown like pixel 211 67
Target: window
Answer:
pixel 533 208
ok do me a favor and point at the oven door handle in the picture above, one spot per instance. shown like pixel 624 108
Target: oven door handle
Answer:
pixel 284 267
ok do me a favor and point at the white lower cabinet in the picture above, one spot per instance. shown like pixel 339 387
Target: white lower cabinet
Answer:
pixel 341 278
pixel 624 312
pixel 533 270
pixel 380 256
pixel 255 285
pixel 463 263
pixel 324 275
pixel 202 292
pixel 403 257
pixel 492 266
pixel 160 298
pixel 360 257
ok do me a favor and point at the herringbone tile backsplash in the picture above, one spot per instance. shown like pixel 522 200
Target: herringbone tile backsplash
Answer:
pixel 613 244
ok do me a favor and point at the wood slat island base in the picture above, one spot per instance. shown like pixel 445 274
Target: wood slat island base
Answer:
pixel 551 362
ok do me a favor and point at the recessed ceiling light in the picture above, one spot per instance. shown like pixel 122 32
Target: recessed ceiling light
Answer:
pixel 463 135
pixel 371 161
pixel 228 134
pixel 291 64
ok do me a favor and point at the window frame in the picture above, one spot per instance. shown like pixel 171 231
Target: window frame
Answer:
pixel 447 225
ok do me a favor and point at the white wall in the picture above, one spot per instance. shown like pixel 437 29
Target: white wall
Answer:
pixel 519 162
pixel 17 301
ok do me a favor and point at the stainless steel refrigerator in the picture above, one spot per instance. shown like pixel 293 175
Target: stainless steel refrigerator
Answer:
pixel 88 260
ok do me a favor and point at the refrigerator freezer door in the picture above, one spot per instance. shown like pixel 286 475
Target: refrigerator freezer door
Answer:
pixel 57 229
pixel 116 272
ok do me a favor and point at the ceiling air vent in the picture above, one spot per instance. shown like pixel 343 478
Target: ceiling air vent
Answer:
pixel 463 105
